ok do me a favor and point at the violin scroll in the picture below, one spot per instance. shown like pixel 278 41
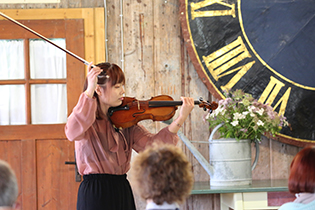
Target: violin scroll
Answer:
pixel 207 105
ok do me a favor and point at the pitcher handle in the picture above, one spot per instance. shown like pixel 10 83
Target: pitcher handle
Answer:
pixel 256 155
pixel 215 130
pixel 256 145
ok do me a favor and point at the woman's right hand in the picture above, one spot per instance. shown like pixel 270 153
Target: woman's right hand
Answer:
pixel 92 79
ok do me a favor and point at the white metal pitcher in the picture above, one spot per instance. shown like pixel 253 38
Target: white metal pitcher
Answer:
pixel 230 160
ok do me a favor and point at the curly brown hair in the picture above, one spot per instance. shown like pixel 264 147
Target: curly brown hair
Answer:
pixel 162 173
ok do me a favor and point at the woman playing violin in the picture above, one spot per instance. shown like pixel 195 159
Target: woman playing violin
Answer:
pixel 103 153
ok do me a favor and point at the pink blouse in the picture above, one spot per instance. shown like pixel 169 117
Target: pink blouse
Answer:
pixel 101 149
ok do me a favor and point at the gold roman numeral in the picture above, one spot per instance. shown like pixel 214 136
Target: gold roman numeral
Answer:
pixel 223 59
pixel 270 93
pixel 211 13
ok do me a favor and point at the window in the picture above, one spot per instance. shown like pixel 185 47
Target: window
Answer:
pixel 45 80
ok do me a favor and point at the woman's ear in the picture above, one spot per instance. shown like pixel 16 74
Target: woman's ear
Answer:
pixel 98 90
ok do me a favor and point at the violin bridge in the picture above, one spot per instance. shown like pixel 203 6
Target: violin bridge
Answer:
pixel 138 105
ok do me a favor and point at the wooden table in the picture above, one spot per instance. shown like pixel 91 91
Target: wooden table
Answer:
pixel 261 194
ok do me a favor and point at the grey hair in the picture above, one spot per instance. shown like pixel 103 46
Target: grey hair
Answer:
pixel 8 185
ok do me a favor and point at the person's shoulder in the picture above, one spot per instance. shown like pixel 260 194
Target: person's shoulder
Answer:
pixel 298 206
pixel 289 206
pixel 311 205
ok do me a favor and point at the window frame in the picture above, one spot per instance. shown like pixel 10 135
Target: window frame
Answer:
pixel 94 50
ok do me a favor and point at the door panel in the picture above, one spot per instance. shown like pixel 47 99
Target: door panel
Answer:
pixel 57 188
pixel 37 153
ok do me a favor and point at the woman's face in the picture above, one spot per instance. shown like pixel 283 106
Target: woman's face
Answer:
pixel 111 96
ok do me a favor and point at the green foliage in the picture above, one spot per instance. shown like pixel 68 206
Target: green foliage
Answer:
pixel 243 117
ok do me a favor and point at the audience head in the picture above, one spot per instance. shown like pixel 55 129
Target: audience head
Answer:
pixel 8 186
pixel 162 173
pixel 302 171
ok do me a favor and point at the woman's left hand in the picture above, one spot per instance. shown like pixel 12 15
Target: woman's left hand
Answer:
pixel 186 108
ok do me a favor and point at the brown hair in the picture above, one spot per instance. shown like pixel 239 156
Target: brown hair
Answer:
pixel 112 74
pixel 302 171
pixel 162 173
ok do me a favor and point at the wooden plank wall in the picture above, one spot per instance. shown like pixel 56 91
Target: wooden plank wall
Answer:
pixel 155 62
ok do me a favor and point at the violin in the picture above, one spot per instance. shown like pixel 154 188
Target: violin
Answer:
pixel 158 108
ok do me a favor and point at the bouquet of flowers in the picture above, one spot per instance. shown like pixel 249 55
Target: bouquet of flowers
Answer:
pixel 243 117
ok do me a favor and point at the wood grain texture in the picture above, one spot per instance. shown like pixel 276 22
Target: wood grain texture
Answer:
pixel 38 152
pixel 56 181
pixel 154 57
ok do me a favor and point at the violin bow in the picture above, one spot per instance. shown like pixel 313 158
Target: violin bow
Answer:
pixel 44 38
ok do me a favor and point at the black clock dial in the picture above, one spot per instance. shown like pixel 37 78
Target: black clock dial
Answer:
pixel 265 48
pixel 282 34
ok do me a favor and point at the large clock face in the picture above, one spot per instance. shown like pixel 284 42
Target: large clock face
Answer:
pixel 266 48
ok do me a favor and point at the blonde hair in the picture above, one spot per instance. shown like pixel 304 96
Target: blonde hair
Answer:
pixel 162 173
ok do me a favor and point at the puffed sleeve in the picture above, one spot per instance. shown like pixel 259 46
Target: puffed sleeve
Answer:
pixel 141 137
pixel 81 118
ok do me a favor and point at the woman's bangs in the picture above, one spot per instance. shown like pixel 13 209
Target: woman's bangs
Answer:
pixel 116 75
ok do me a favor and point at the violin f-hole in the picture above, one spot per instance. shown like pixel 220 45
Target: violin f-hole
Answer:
pixel 136 113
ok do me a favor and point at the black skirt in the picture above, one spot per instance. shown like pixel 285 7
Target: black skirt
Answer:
pixel 105 192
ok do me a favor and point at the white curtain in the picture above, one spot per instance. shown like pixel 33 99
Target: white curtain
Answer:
pixel 12 103
pixel 11 59
pixel 46 60
pixel 49 104
pixel 48 101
